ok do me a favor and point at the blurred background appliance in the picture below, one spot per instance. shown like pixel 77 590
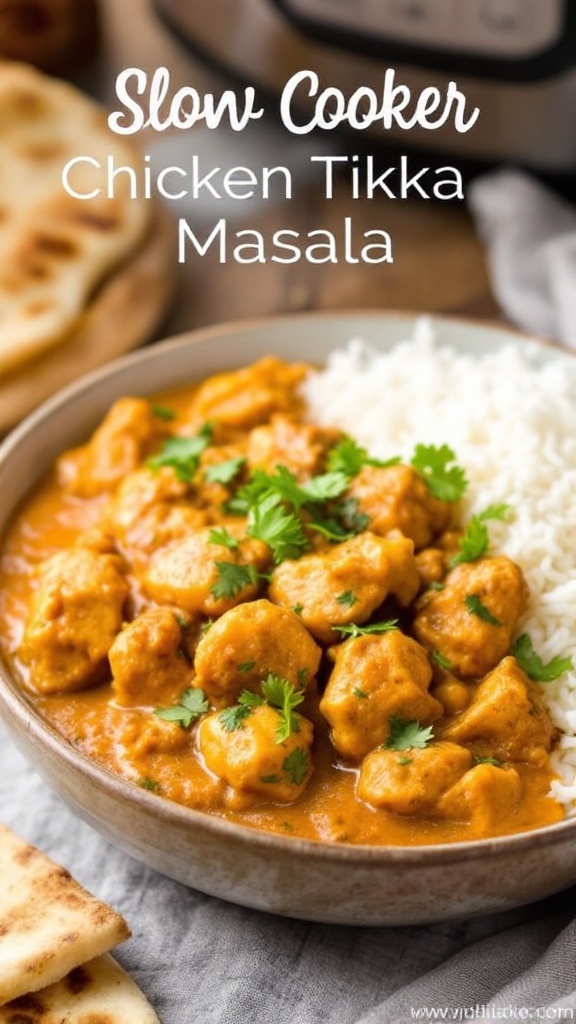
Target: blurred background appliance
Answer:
pixel 515 59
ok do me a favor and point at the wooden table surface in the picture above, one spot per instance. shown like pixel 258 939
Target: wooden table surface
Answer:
pixel 439 264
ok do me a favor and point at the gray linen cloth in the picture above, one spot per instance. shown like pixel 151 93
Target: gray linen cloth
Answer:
pixel 530 234
pixel 199 959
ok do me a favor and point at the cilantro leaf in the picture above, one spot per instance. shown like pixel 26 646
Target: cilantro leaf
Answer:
pixel 163 412
pixel 297 765
pixel 224 472
pixel 282 531
pixel 376 627
pixel 270 778
pixel 281 694
pixel 441 660
pixel 246 666
pixel 349 457
pixel 488 760
pixel 408 735
pixel 192 704
pixel 232 579
pixel 532 663
pixel 475 541
pixel 349 516
pixel 444 481
pixel 220 535
pixel 359 693
pixel 182 453
pixel 475 607
pixel 233 718
pixel 347 598
pixel 324 487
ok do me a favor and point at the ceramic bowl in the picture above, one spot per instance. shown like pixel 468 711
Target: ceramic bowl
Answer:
pixel 285 875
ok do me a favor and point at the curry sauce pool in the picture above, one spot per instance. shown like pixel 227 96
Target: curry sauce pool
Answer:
pixel 275 643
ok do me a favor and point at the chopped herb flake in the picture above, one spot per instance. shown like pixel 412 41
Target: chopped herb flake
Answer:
pixel 408 735
pixel 232 579
pixel 376 627
pixel 445 481
pixel 246 666
pixel 224 472
pixel 270 778
pixel 233 718
pixel 192 704
pixel 150 784
pixel 475 541
pixel 298 609
pixel 488 760
pixel 359 693
pixel 297 765
pixel 163 412
pixel 441 660
pixel 349 457
pixel 281 530
pixel 220 535
pixel 182 453
pixel 475 607
pixel 531 663
pixel 347 598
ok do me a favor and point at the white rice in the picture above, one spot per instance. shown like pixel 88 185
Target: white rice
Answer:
pixel 512 425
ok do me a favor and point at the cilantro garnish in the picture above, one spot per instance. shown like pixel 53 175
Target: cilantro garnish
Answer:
pixel 532 663
pixel 322 488
pixel 408 735
pixel 281 694
pixel 376 627
pixel 147 783
pixel 475 541
pixel 349 516
pixel 298 609
pixel 475 607
pixel 182 453
pixel 349 457
pixel 232 579
pixel 359 693
pixel 488 760
pixel 441 660
pixel 303 674
pixel 347 598
pixel 220 535
pixel 192 704
pixel 436 585
pixel 444 481
pixel 233 718
pixel 296 765
pixel 270 778
pixel 246 666
pixel 405 760
pixel 224 472
pixel 163 412
pixel 281 530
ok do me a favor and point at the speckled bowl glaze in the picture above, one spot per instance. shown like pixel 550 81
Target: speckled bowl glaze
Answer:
pixel 284 875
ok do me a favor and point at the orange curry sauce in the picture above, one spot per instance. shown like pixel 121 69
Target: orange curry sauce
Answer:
pixel 112 728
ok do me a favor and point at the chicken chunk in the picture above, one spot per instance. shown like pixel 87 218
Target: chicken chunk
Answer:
pixel 374 679
pixel 125 437
pixel 471 622
pixel 74 617
pixel 396 498
pixel 247 397
pixel 300 447
pixel 247 643
pixel 486 795
pixel 411 781
pixel 150 509
pixel 148 661
pixel 252 762
pixel 346 583
pixel 506 718
pixel 188 573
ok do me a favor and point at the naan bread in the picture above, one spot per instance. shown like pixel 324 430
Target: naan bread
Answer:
pixel 126 311
pixel 54 249
pixel 100 992
pixel 49 924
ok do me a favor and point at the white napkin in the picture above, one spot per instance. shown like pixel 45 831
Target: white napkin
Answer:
pixel 530 234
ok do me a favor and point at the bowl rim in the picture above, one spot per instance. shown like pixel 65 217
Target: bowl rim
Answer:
pixel 20 706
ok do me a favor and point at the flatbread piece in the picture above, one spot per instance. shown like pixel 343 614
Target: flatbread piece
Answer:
pixel 49 924
pixel 100 992
pixel 55 249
